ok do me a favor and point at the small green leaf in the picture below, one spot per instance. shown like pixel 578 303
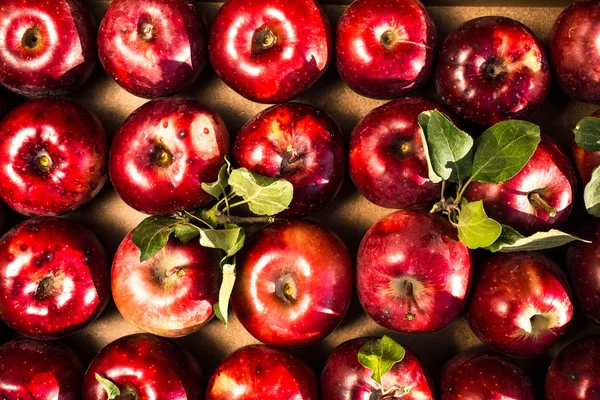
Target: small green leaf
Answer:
pixel 184 231
pixel 209 216
pixel 152 234
pixel 475 228
pixel 217 189
pixel 423 121
pixel 503 149
pixel 591 194
pixel 265 196
pixel 512 241
pixel 229 240
pixel 112 390
pixel 587 134
pixel 228 265
pixel 380 355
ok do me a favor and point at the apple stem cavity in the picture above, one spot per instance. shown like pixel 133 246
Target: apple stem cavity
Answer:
pixel 44 288
pixel 265 38
pixel 388 39
pixel 493 70
pixel 32 38
pixel 538 201
pixel 146 29
pixel 161 156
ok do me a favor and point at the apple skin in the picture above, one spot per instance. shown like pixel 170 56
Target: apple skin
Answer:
pixel 549 174
pixel 344 378
pixel 294 283
pixel 491 69
pixel 585 161
pixel 47 47
pixel 146 366
pixel 575 373
pixel 72 142
pixel 484 375
pixel 297 142
pixel 387 160
pixel 173 293
pixel 270 51
pixel 32 369
pixel 153 48
pixel 413 274
pixel 385 48
pixel 521 304
pixel 262 372
pixel 54 278
pixel 164 151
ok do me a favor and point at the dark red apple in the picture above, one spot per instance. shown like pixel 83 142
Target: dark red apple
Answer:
pixel 270 51
pixel 521 304
pixel 145 367
pixel 47 47
pixel 171 294
pixel 262 372
pixel 31 369
pixel 538 198
pixel 387 161
pixel 491 69
pixel 299 143
pixel 585 161
pixel 163 153
pixel 385 48
pixel 575 373
pixel 344 378
pixel 413 273
pixel 55 157
pixel 54 277
pixel 153 48
pixel 294 283
pixel 484 375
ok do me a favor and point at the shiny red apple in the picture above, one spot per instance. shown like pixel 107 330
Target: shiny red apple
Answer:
pixel 153 48
pixel 521 304
pixel 294 283
pixel 55 157
pixel 299 143
pixel 585 161
pixel 413 273
pixel 262 372
pixel 54 277
pixel 491 69
pixel 163 153
pixel 270 51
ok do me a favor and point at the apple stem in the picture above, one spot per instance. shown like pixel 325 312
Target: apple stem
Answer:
pixel 178 271
pixel 539 201
pixel 411 300
pixel 265 39
pixel 395 392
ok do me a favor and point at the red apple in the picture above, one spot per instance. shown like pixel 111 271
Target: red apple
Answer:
pixel 299 143
pixel 163 153
pixel 538 198
pixel 171 294
pixel 153 48
pixel 486 376
pixel 413 273
pixel 385 48
pixel 294 283
pixel 344 378
pixel 575 373
pixel 53 278
pixel 387 161
pixel 260 373
pixel 491 69
pixel 47 47
pixel 55 157
pixel 585 161
pixel 144 367
pixel 521 304
pixel 31 369
pixel 270 51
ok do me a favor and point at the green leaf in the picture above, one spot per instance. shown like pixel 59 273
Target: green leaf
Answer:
pixel 448 148
pixel 591 194
pixel 587 134
pixel 475 228
pixel 208 216
pixel 512 241
pixel 229 240
pixel 264 195
pixel 184 231
pixel 423 121
pixel 152 234
pixel 217 189
pixel 503 149
pixel 112 390
pixel 228 265
pixel 380 355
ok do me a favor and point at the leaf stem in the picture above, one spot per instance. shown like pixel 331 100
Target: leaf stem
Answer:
pixel 462 189
pixel 234 219
pixel 443 190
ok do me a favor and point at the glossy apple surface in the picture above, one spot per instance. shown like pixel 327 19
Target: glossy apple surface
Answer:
pixel 163 153
pixel 270 51
pixel 527 201
pixel 385 48
pixel 484 375
pixel 171 294
pixel 153 48
pixel 54 278
pixel 521 304
pixel 491 69
pixel 294 283
pixel 262 372
pixel 585 161
pixel 145 367
pixel 55 157
pixel 299 143
pixel 413 274
pixel 344 378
